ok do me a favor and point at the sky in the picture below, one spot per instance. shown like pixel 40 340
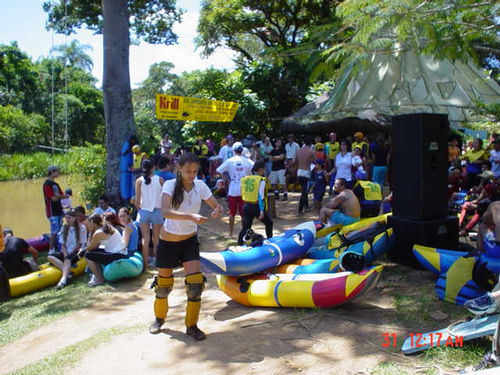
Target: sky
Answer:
pixel 24 21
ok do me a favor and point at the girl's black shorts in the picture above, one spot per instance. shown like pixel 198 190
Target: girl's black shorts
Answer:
pixel 172 254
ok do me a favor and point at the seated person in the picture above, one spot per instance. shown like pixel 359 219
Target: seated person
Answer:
pixel 343 208
pixel 130 231
pixel 73 237
pixel 111 219
pixel 103 206
pixel 12 256
pixel 105 246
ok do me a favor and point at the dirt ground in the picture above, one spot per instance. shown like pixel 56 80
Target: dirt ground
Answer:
pixel 240 340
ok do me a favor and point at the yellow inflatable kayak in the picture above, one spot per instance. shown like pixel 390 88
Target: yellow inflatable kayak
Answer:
pixel 47 275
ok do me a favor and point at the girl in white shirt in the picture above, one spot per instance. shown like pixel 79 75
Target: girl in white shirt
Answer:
pixel 343 164
pixel 180 204
pixel 73 237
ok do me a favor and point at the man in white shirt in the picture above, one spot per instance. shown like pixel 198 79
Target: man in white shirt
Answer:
pixel 236 167
pixel 103 206
pixel 291 149
pixel 226 151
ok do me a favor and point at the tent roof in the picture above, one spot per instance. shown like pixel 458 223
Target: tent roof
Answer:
pixel 403 83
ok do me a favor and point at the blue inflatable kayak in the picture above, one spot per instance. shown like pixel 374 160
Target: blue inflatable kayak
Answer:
pixel 273 252
pixel 123 268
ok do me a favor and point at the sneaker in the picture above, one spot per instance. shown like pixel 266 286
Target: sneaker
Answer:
pixel 195 333
pixel 482 305
pixel 155 328
pixel 95 282
pixel 285 197
pixel 277 196
pixel 307 209
pixel 61 284
pixel 300 213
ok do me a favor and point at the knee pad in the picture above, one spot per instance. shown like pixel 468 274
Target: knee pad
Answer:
pixel 195 283
pixel 163 286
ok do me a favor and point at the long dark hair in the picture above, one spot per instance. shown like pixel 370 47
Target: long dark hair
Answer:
pixel 97 220
pixel 76 226
pixel 147 166
pixel 178 195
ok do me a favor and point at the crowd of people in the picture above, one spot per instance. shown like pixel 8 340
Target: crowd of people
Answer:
pixel 168 188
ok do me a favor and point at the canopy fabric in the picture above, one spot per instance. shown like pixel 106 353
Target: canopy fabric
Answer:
pixel 403 83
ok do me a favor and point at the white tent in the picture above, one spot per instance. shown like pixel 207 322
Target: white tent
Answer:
pixel 404 83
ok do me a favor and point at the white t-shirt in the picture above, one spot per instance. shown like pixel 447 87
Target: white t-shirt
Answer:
pixel 190 204
pixel 495 167
pixel 291 150
pixel 237 167
pixel 71 243
pixel 344 165
pixel 225 152
pixel 151 193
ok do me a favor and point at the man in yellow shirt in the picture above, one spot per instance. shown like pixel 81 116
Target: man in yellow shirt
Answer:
pixel 332 149
pixel 358 142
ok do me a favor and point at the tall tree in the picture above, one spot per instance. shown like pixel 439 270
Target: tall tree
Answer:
pixel 150 20
pixel 265 34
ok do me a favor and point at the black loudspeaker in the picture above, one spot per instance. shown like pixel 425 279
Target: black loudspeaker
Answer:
pixel 441 233
pixel 419 165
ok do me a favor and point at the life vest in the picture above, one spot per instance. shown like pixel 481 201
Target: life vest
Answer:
pixel 138 159
pixel 200 151
pixel 332 149
pixel 365 149
pixel 250 188
pixel 367 190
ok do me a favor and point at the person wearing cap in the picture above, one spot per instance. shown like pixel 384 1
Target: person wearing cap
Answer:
pixel 495 158
pixel 236 168
pixel 226 151
pixel 52 195
pixel 319 183
pixel 358 141
pixel 277 176
pixel 13 253
pixel 332 148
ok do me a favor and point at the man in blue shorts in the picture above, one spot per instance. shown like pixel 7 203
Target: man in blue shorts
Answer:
pixel 343 208
pixel 52 195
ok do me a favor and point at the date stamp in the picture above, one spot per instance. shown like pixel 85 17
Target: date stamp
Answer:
pixel 424 340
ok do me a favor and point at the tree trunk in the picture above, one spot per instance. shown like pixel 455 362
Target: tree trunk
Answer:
pixel 118 110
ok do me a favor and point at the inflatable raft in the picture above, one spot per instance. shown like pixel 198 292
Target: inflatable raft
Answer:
pixel 123 268
pixel 302 266
pixel 462 276
pixel 307 290
pixel 273 252
pixel 47 275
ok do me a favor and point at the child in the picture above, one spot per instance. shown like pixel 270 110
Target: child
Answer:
pixel 73 237
pixel 319 183
pixel 357 165
pixel 319 148
pixel 66 202
pixel 253 194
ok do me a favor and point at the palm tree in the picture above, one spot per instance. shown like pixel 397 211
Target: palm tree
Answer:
pixel 74 54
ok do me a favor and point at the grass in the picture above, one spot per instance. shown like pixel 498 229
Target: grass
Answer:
pixel 22 315
pixel 65 358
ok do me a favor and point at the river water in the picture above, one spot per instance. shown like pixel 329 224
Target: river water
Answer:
pixel 22 208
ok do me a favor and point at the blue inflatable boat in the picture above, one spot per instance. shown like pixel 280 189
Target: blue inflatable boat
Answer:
pixel 273 252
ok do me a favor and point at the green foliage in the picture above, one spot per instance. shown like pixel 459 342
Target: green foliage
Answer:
pixel 34 165
pixel 87 166
pixel 20 131
pixel 446 29
pixel 150 20
pixel 19 80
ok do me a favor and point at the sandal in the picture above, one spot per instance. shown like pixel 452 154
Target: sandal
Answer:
pixel 61 284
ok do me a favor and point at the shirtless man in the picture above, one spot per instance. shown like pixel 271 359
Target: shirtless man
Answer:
pixel 304 157
pixel 343 208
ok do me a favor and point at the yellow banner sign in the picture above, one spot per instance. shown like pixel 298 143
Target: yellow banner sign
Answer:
pixel 169 107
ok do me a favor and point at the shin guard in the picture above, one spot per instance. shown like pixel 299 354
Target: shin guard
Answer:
pixel 162 286
pixel 195 284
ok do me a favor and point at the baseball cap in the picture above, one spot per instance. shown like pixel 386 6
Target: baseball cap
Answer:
pixel 358 134
pixel 52 168
pixel 237 146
